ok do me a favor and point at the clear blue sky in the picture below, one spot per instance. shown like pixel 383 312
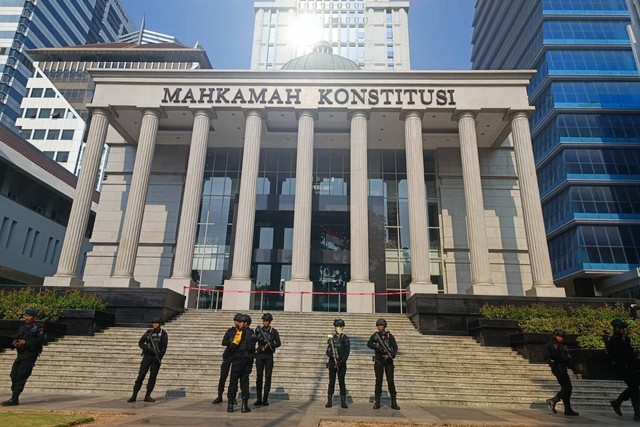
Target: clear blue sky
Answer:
pixel 439 30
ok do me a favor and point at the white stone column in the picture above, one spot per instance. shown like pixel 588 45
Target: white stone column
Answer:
pixel 66 275
pixel 360 290
pixel 418 222
pixel 481 283
pixel 134 214
pixel 532 209
pixel 238 288
pixel 183 260
pixel 301 249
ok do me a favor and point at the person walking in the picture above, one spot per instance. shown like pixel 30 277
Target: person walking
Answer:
pixel 27 342
pixel 560 361
pixel 386 349
pixel 268 340
pixel 154 345
pixel 625 361
pixel 338 349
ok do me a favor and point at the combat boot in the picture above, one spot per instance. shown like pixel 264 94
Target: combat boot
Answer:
pixel 230 405
pixel 329 401
pixel 616 406
pixel 394 404
pixel 570 412
pixel 245 406
pixel 134 395
pixel 148 398
pixel 551 403
pixel 258 402
pixel 217 400
pixel 376 402
pixel 265 399
pixel 11 402
pixel 343 402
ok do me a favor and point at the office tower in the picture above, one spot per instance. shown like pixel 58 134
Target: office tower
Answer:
pixel 31 24
pixel 54 111
pixel 585 129
pixel 372 33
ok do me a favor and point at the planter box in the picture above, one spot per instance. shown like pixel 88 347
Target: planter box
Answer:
pixel 594 364
pixel 533 346
pixel 8 328
pixel 86 322
pixel 493 333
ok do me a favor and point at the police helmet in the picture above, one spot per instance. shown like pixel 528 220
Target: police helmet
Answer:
pixel 31 312
pixel 559 333
pixel 381 322
pixel 338 323
pixel 247 319
pixel 267 316
pixel 617 323
pixel 157 320
pixel 238 317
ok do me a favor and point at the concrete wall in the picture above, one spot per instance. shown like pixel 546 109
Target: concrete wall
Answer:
pixel 503 218
pixel 160 225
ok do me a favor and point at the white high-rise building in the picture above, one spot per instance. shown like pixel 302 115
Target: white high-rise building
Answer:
pixel 372 33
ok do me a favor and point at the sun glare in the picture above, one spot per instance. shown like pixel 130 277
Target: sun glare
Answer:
pixel 305 32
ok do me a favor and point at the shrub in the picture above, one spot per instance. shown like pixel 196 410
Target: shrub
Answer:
pixel 48 302
pixel 591 324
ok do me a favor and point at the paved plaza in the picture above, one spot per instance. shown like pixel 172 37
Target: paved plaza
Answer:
pixel 198 412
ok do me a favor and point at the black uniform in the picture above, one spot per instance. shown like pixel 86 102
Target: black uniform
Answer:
pixel 343 348
pixel 383 362
pixel 22 367
pixel 242 349
pixel 560 362
pixel 225 366
pixel 154 345
pixel 625 361
pixel 268 341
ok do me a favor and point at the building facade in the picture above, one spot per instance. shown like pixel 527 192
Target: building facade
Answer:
pixel 35 202
pixel 31 24
pixel 372 33
pixel 304 190
pixel 585 127
pixel 54 113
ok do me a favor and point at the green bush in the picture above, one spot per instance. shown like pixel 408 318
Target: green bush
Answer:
pixel 589 323
pixel 48 302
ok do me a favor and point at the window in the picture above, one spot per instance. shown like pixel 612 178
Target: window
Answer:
pixel 26 133
pixel 39 134
pixel 67 134
pixel 45 113
pixel 53 134
pixel 58 113
pixel 36 92
pixel 62 156
pixel 49 93
pixel 31 113
pixel 70 115
pixel 49 154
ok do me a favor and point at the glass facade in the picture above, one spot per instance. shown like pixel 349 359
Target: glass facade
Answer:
pixel 30 24
pixel 389 246
pixel 585 129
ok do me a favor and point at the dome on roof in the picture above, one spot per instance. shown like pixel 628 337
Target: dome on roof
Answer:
pixel 322 58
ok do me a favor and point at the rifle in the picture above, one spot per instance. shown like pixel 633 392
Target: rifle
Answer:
pixel 265 338
pixel 333 350
pixel 154 348
pixel 385 347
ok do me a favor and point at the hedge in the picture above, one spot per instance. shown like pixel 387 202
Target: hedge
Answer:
pixel 48 302
pixel 592 325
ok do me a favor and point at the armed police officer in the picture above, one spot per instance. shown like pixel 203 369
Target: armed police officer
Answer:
pixel 625 360
pixel 268 340
pixel 242 353
pixel 338 349
pixel 386 348
pixel 154 345
pixel 560 361
pixel 225 366
pixel 27 342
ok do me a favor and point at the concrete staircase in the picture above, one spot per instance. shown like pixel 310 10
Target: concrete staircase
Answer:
pixel 430 370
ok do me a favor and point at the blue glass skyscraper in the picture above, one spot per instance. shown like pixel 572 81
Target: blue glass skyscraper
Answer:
pixel 585 128
pixel 29 24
